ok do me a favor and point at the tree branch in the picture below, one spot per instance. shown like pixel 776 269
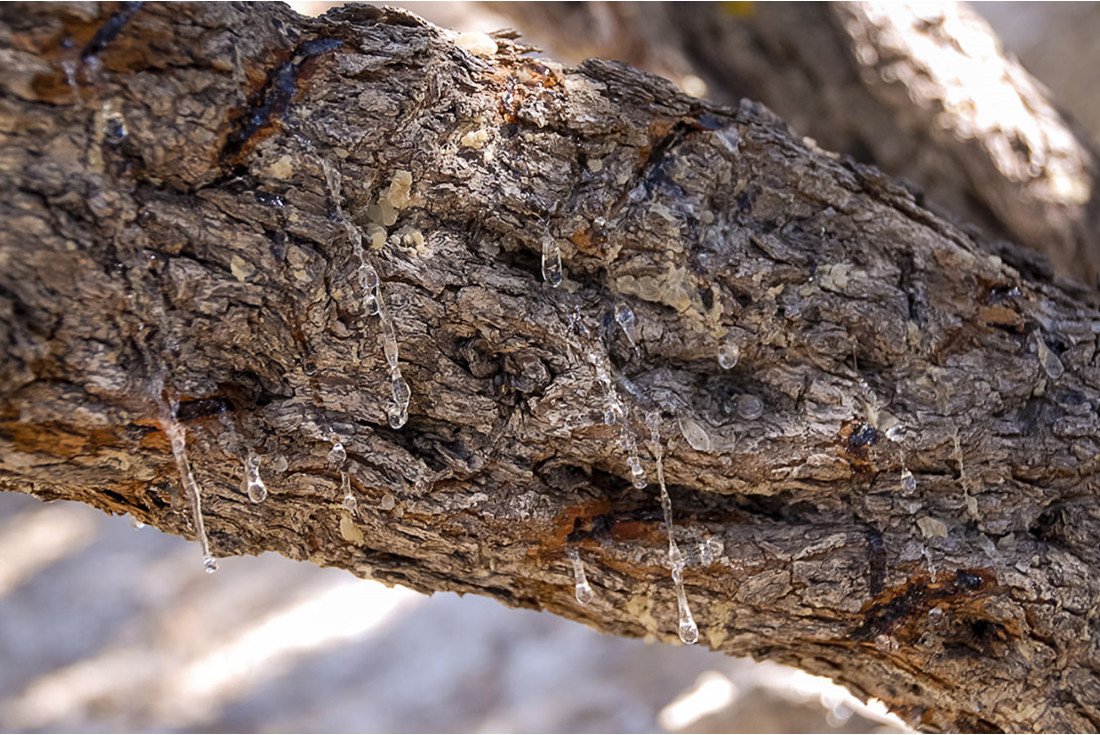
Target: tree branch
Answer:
pixel 891 484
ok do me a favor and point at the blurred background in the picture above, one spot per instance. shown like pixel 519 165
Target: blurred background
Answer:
pixel 104 627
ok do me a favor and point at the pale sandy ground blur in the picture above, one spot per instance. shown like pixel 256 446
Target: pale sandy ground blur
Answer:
pixel 108 628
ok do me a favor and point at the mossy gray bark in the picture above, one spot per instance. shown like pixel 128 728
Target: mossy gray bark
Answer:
pixel 169 215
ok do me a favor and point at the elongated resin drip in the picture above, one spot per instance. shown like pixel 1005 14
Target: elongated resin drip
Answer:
pixel 253 485
pixel 398 411
pixel 615 411
pixel 177 438
pixel 551 261
pixel 627 322
pixel 584 590
pixel 688 630
pixel 350 503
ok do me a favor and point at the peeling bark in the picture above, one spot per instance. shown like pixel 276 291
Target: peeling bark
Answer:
pixel 911 513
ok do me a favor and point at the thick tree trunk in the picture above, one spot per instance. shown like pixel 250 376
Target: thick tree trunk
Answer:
pixel 879 440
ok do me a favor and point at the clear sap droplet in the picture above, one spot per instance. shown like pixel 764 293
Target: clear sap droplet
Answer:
pixel 609 417
pixel 253 484
pixel 350 503
pixel 749 407
pixel 695 435
pixel 337 455
pixel 689 631
pixel 387 502
pixel 584 593
pixel 135 523
pixel 551 262
pixel 729 352
pixel 401 392
pixel 209 564
pixel 397 417
pixel 908 482
pixel 629 324
pixel 638 478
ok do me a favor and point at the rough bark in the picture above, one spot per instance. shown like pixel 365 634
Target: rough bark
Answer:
pixel 169 214
pixel 923 93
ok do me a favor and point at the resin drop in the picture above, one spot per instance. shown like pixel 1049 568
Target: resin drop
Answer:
pixel 387 502
pixel 584 591
pixel 337 455
pixel 749 407
pixel 629 324
pixel 350 503
pixel 136 524
pixel 253 484
pixel 178 440
pixel 908 482
pixel 551 262
pixel 729 353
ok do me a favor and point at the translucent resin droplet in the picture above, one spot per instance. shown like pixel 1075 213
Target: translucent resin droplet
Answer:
pixel 337 455
pixel 253 484
pixel 729 352
pixel 749 407
pixel 688 630
pixel 584 592
pixel 695 434
pixel 350 503
pixel 387 502
pixel 625 317
pixel 908 482
pixel 551 262
pixel 1052 366
pixel 136 524
pixel 209 564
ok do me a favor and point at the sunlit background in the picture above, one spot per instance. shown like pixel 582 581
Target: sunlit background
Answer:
pixel 104 627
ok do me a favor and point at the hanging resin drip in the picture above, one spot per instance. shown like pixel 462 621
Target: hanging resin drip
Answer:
pixel 350 503
pixel 626 438
pixel 337 455
pixel 253 485
pixel 908 482
pixel 615 411
pixel 177 438
pixel 688 630
pixel 373 304
pixel 626 320
pixel 551 261
pixel 583 590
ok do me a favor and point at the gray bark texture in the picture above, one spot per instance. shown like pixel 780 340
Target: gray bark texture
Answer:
pixel 168 218
pixel 924 93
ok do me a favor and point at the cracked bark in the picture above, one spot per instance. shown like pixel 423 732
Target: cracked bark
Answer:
pixel 170 214
pixel 923 93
